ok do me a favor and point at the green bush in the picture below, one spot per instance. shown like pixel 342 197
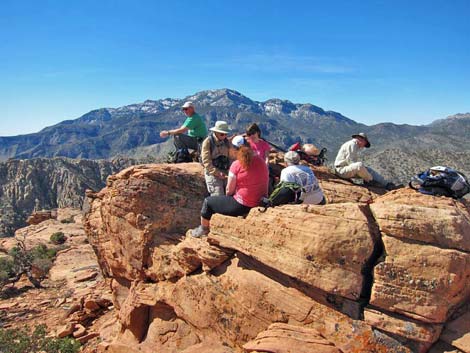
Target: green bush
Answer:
pixel 6 270
pixel 21 341
pixel 57 238
pixel 25 261
pixel 68 220
pixel 41 251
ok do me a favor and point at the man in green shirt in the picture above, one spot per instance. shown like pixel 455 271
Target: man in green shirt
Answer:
pixel 194 125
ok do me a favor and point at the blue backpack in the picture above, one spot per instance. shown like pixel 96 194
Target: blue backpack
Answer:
pixel 441 181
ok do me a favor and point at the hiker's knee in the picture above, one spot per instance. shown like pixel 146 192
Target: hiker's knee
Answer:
pixel 206 210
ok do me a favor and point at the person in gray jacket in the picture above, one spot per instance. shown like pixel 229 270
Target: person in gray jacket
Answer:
pixel 215 158
pixel 347 164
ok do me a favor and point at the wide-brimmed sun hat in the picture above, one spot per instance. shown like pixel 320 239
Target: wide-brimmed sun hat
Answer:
pixel 291 157
pixel 363 136
pixel 221 127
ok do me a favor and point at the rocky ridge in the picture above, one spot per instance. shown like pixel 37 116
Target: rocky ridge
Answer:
pixel 364 273
pixel 42 183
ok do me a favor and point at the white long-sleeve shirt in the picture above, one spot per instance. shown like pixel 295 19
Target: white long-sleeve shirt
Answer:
pixel 347 154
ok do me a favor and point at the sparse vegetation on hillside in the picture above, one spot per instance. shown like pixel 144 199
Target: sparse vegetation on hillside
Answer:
pixel 22 341
pixel 34 263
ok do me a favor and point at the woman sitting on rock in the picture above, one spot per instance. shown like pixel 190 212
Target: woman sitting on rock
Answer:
pixel 247 184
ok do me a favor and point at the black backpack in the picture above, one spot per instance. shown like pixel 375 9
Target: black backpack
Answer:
pixel 441 181
pixel 183 156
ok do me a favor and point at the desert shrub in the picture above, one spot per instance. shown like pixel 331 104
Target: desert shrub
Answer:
pixel 6 270
pixel 20 341
pixel 68 220
pixel 41 251
pixel 57 238
pixel 34 263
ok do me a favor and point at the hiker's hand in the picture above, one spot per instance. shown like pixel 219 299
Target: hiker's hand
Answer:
pixel 164 134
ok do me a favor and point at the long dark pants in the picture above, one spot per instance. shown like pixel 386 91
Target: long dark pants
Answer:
pixel 186 141
pixel 223 204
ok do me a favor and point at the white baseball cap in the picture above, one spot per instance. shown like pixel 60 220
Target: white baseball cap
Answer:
pixel 238 141
pixel 187 105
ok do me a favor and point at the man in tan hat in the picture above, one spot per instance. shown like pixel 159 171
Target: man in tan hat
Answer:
pixel 347 164
pixel 194 125
pixel 215 158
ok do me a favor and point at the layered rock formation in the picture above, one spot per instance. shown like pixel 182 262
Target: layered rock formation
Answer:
pixel 42 183
pixel 364 273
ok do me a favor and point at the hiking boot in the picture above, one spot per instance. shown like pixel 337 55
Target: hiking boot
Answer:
pixel 199 232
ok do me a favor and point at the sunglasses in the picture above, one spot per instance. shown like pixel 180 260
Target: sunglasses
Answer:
pixel 221 134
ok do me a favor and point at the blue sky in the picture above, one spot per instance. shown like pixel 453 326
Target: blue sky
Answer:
pixel 373 61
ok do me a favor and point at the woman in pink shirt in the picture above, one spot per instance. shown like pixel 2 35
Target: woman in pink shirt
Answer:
pixel 257 144
pixel 247 184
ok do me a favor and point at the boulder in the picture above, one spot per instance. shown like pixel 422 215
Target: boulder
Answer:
pixel 143 208
pixel 40 216
pixel 409 215
pixel 79 331
pixel 326 247
pixel 426 269
pixel 65 330
pixel 420 281
pixel 418 334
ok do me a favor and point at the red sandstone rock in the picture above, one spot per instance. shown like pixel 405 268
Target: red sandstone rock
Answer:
pixel 420 281
pixel 457 332
pixel 40 216
pixel 424 334
pixel 324 246
pixel 282 338
pixel 304 266
pixel 65 330
pixel 91 305
pixel 143 208
pixel 85 338
pixel 85 275
pixel 409 215
pixel 79 331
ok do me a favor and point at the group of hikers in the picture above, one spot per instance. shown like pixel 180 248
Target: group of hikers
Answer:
pixel 237 172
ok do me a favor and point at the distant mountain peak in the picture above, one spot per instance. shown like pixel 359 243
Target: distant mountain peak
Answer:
pixel 459 116
pixel 223 97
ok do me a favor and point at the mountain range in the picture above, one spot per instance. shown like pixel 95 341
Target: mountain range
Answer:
pixel 133 131
pixel 130 134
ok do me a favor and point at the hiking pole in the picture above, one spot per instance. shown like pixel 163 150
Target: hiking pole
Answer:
pixel 275 146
